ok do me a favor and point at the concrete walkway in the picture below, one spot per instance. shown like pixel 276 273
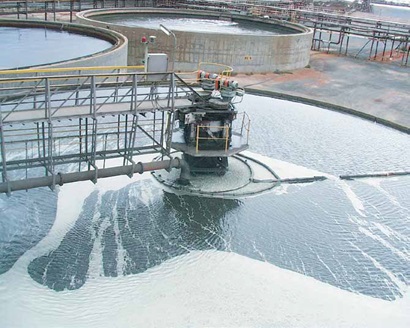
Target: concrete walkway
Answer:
pixel 381 91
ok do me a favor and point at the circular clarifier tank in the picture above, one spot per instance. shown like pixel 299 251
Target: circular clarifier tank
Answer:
pixel 248 44
pixel 49 44
pixel 197 24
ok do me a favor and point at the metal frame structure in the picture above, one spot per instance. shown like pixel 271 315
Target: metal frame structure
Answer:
pixel 382 40
pixel 24 8
pixel 60 127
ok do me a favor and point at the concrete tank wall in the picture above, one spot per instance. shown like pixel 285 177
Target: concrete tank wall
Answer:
pixel 116 55
pixel 113 56
pixel 245 53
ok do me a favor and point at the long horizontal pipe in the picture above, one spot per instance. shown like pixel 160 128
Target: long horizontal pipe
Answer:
pixel 68 69
pixel 373 175
pixel 93 175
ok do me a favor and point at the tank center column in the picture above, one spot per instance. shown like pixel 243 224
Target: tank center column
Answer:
pixel 205 131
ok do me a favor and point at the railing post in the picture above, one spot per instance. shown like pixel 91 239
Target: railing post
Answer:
pixel 71 10
pixel 47 101
pixel 170 128
pixel 134 101
pixel 93 97
pixel 226 127
pixel 171 117
pixel 406 51
pixel 54 10
pixel 371 48
pixel 125 139
pixel 162 134
pixel 94 147
pixel 391 48
pixel 198 127
pixel 50 144
pixel 154 122
pixel 80 142
pixel 3 149
pixel 26 8
pixel 116 89
pixel 133 132
pixel 105 148
pixel 172 92
pixel 50 152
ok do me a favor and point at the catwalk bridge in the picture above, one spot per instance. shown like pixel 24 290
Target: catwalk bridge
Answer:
pixel 66 125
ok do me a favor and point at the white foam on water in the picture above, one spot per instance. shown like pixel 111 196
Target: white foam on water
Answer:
pixel 384 229
pixel 386 271
pixel 96 267
pixel 288 170
pixel 357 220
pixel 69 206
pixel 121 251
pixel 350 194
pixel 376 183
pixel 389 232
pixel 281 190
pixel 71 198
pixel 202 288
pixel 284 169
pixel 385 243
pixel 146 194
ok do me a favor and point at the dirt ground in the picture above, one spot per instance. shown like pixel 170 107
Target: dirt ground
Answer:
pixel 376 88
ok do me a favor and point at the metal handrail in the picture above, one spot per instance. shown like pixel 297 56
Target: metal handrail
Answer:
pixel 225 72
pixel 226 138
pixel 68 91
pixel 69 69
pixel 34 134
pixel 245 126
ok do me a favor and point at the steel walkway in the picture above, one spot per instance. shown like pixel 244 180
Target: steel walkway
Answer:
pixel 60 125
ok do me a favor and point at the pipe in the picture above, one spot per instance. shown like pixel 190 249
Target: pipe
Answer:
pixel 93 175
pixel 185 175
pixel 373 175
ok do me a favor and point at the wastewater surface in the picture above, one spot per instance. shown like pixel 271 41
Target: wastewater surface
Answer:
pixel 194 24
pixel 67 257
pixel 26 47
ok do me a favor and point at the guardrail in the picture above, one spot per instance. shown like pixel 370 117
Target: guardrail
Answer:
pixel 245 126
pixel 55 121
pixel 214 139
pixel 25 99
pixel 221 135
